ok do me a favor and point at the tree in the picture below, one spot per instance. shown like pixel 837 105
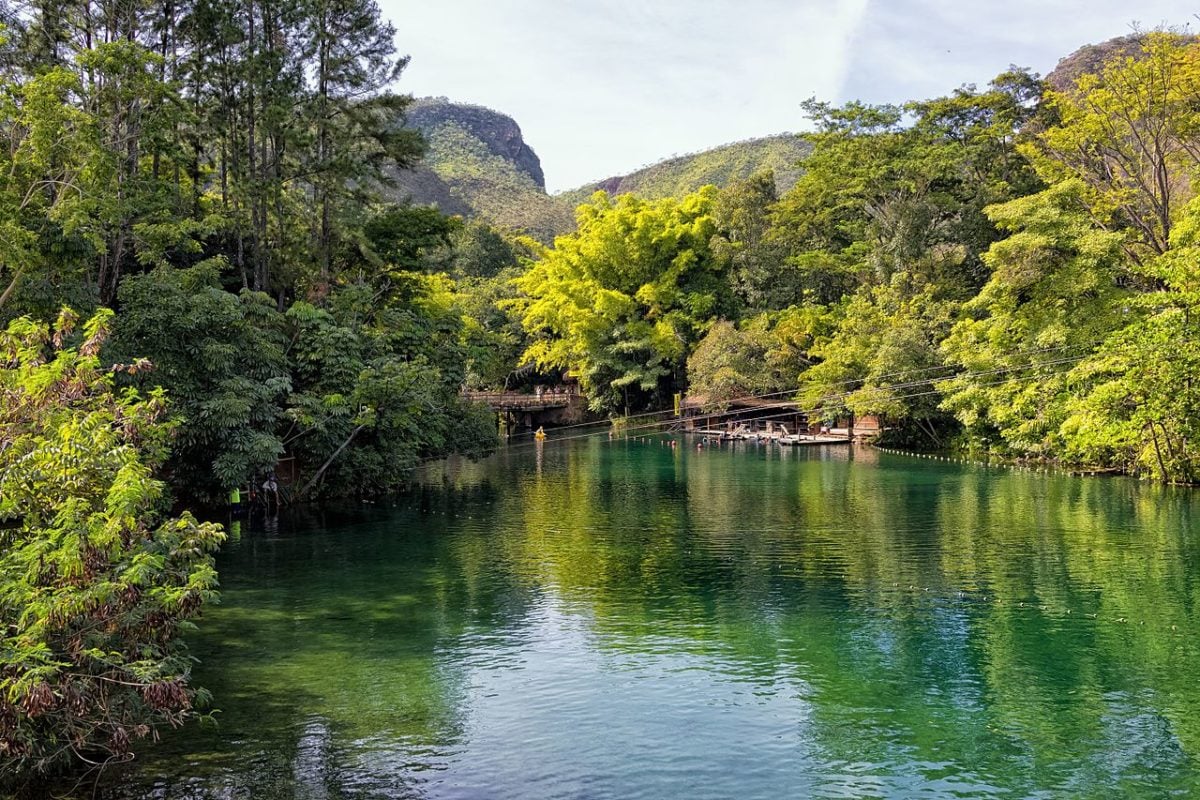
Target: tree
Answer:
pixel 1135 403
pixel 758 272
pixel 353 114
pixel 880 359
pixel 376 390
pixel 621 302
pixel 1129 134
pixel 765 354
pixel 883 195
pixel 727 364
pixel 1054 294
pixel 48 148
pixel 481 251
pixel 407 238
pixel 221 358
pixel 494 337
pixel 95 583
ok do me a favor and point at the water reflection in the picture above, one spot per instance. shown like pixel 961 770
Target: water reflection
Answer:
pixel 627 619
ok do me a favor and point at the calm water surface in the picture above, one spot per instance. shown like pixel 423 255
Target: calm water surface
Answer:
pixel 624 620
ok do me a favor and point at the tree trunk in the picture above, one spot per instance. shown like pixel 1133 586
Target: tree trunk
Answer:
pixel 317 477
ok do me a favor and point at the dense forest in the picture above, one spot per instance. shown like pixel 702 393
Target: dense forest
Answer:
pixel 200 281
pixel 1008 270
pixel 202 277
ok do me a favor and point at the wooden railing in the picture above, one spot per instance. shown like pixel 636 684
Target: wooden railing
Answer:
pixel 519 401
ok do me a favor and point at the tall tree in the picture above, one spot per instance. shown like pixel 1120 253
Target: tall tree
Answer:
pixel 621 302
pixel 1131 134
pixel 354 116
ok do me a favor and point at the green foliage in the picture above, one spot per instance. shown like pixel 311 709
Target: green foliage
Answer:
pixel 765 354
pixel 723 166
pixel 481 251
pixel 376 387
pixel 1136 403
pixel 621 302
pixel 358 392
pixel 885 343
pixel 881 198
pixel 723 366
pixel 95 584
pixel 1127 134
pixel 759 274
pixel 222 358
pixel 408 238
pixel 1054 294
pixel 495 340
pixel 1082 338
pixel 47 165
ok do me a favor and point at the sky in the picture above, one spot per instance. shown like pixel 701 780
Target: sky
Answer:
pixel 603 87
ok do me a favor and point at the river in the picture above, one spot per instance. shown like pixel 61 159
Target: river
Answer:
pixel 598 619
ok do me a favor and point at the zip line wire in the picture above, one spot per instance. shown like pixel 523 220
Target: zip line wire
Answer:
pixel 655 426
pixel 766 395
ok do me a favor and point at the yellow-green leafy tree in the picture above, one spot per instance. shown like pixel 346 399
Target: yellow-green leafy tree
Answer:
pixel 621 302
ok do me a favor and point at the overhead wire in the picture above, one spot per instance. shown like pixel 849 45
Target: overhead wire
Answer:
pixel 780 393
pixel 792 411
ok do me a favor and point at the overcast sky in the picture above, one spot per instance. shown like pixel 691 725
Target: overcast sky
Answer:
pixel 602 87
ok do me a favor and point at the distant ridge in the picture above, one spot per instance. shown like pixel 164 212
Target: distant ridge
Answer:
pixel 1090 58
pixel 478 165
pixel 719 166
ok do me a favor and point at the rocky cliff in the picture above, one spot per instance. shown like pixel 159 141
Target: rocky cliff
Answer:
pixel 477 164
pixel 500 134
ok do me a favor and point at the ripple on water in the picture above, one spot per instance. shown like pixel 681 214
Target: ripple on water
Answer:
pixel 635 622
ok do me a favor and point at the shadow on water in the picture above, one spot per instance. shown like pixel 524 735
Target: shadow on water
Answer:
pixel 631 620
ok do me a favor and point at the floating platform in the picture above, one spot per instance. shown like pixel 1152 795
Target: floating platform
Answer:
pixel 780 438
pixel 806 441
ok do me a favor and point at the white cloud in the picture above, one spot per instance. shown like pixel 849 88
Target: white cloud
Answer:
pixel 600 88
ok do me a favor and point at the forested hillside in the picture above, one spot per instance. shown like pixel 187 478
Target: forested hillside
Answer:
pixel 477 165
pixel 721 166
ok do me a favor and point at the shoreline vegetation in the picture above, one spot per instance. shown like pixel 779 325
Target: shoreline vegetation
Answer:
pixel 207 185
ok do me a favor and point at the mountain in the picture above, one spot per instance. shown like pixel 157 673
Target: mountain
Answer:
pixel 1090 59
pixel 477 164
pixel 719 166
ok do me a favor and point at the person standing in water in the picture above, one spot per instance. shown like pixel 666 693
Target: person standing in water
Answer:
pixel 271 487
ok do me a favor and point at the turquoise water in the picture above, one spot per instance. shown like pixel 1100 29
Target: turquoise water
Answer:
pixel 628 620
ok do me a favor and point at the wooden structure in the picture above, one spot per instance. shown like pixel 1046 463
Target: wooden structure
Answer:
pixel 545 406
pixel 758 418
pixel 698 413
